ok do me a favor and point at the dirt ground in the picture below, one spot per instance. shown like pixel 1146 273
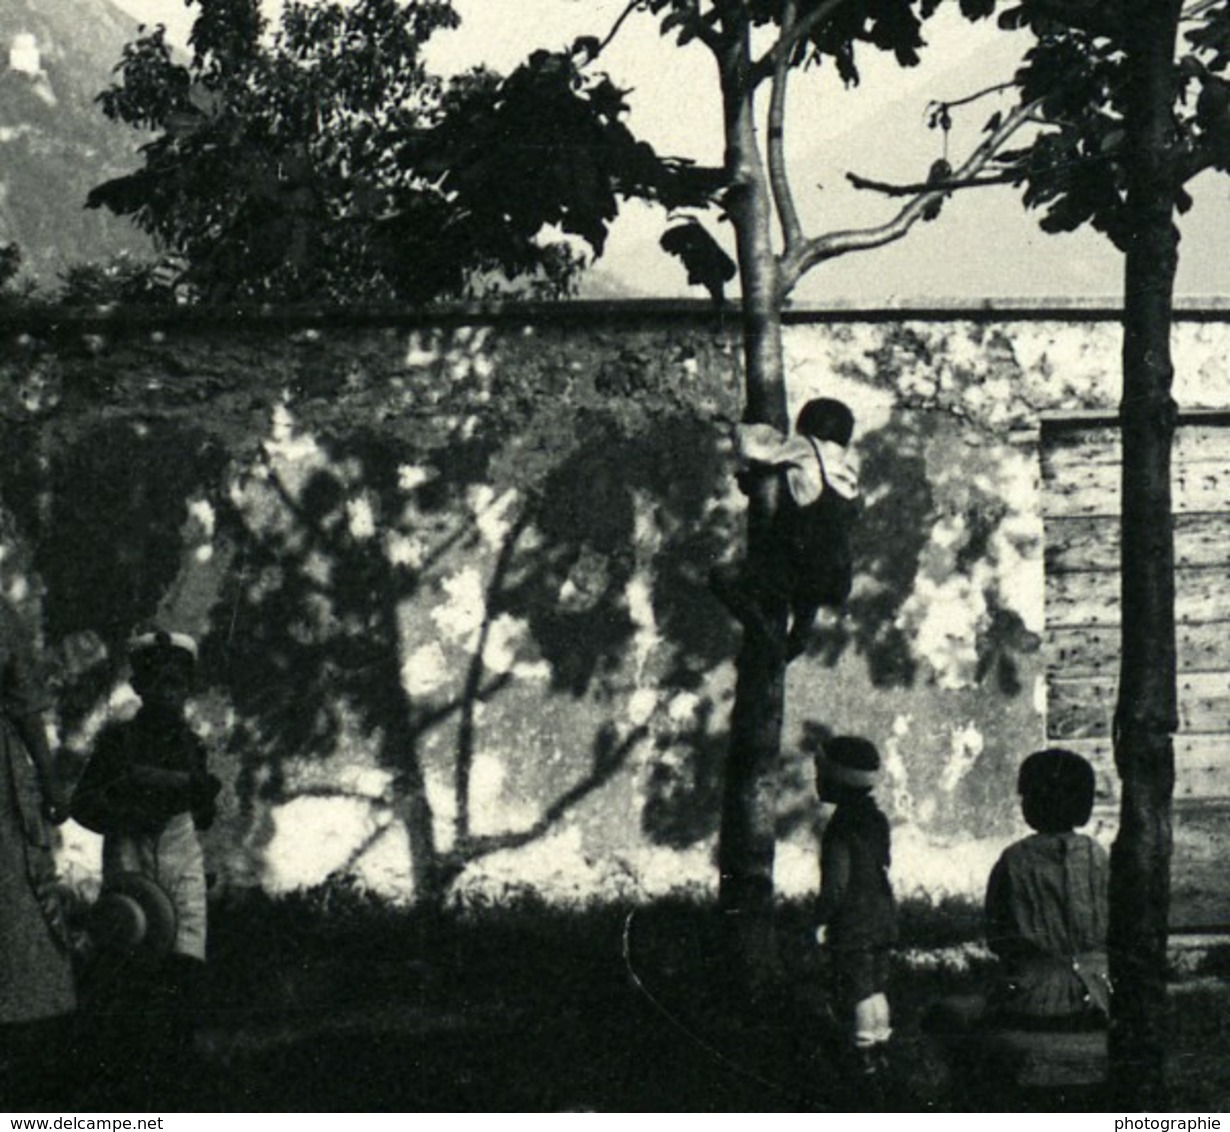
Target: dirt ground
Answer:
pixel 341 1005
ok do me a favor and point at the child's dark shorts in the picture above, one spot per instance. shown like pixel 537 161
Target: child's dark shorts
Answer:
pixel 858 973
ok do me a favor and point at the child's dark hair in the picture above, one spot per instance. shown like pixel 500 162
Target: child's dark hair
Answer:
pixel 1057 789
pixel 826 418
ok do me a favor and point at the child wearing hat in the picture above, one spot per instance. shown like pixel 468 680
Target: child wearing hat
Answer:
pixel 1046 904
pixel 856 914
pixel 807 563
pixel 148 790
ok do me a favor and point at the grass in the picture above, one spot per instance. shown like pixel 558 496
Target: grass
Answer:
pixel 333 1002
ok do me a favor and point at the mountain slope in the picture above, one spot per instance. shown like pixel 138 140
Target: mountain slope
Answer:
pixel 55 144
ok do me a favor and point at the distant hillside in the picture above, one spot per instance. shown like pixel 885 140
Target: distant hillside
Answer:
pixel 55 144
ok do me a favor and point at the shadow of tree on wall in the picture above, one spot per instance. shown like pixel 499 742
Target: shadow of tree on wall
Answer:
pixel 923 471
pixel 893 526
pixel 338 552
pixel 104 510
pixel 583 509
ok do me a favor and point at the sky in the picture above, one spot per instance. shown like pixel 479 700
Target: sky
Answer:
pixel 983 246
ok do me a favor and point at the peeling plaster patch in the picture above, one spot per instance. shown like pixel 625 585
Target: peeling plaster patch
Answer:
pixel 817 360
pixel 967 745
pixel 646 638
pixel 422 350
pixel 369 781
pixel 413 476
pixel 539 670
pixel 491 514
pixel 641 706
pixel 942 618
pixel 361 521
pixel 647 538
pixel 313 838
pixel 490 812
pixel 318 568
pixel 896 774
pixel 425 670
pixel 202 512
pixel 662 871
pixel 283 444
pixel 503 637
pixel 683 707
pixel 440 790
pixel 796 869
pixel 1018 541
pixel 460 616
pixel 936 869
pixel 403 550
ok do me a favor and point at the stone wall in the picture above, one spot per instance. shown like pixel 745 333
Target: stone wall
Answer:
pixel 449 576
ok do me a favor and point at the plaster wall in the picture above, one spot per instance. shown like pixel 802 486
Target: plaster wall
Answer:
pixel 449 578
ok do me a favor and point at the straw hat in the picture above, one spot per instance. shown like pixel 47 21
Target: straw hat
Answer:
pixel 135 916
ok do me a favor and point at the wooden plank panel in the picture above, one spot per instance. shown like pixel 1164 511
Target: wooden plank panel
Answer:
pixel 1202 767
pixel 1094 650
pixel 1091 542
pixel 1079 709
pixel 1092 598
pixel 1193 442
pixel 1093 489
pixel 1084 708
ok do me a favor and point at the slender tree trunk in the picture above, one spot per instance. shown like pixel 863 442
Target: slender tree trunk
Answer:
pixel 748 830
pixel 1146 714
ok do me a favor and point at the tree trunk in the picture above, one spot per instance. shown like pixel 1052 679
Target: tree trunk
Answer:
pixel 748 830
pixel 1146 714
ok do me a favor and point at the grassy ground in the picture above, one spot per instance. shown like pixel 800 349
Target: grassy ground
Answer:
pixel 333 1003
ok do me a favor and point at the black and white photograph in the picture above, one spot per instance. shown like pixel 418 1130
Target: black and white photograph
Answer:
pixel 604 556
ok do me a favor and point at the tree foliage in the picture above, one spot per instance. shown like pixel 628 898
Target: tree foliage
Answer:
pixel 324 160
pixel 1077 78
pixel 1132 102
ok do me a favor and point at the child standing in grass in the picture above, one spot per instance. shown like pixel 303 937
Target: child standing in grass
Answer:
pixel 856 913
pixel 148 790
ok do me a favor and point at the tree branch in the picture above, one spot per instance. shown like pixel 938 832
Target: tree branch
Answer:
pixel 947 185
pixel 835 244
pixel 779 180
pixel 767 64
pixel 629 8
pixel 995 88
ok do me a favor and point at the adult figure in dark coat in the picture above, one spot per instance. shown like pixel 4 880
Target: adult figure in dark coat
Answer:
pixel 36 979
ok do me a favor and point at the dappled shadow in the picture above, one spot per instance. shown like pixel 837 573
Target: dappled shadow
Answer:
pixel 683 790
pixel 105 512
pixel 440 553
pixel 893 526
pixel 366 566
pixel 936 533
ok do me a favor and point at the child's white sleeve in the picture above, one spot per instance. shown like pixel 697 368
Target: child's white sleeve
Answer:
pixel 761 444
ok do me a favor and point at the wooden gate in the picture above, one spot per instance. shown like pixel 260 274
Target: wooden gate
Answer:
pixel 1080 503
